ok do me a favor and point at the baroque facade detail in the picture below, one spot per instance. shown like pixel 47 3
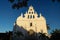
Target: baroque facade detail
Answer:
pixel 31 21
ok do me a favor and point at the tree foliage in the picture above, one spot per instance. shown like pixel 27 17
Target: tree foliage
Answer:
pixel 43 36
pixel 55 0
pixel 55 35
pixel 48 27
pixel 16 4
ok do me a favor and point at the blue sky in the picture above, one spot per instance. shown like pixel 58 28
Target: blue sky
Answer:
pixel 50 10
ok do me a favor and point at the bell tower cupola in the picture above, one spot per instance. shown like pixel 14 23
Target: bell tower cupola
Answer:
pixel 31 10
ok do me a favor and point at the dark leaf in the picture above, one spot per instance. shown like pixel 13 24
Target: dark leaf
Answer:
pixel 19 4
pixel 53 0
pixel 11 1
pixel 14 6
pixel 55 35
pixel 24 3
pixel 18 0
pixel 58 0
pixel 48 27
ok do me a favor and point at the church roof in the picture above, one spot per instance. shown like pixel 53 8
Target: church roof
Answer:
pixel 30 13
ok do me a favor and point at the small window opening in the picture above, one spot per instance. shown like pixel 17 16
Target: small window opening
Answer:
pixel 30 24
pixel 31 9
pixel 32 12
pixel 33 16
pixel 28 16
pixel 29 12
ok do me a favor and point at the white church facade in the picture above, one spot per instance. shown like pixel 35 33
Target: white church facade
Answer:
pixel 31 21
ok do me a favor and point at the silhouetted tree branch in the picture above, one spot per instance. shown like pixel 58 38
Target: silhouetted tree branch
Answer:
pixel 48 27
pixel 55 35
pixel 16 4
pixel 55 0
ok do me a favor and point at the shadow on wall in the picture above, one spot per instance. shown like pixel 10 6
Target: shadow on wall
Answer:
pixel 19 33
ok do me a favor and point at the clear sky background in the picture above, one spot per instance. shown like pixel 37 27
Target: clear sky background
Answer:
pixel 50 10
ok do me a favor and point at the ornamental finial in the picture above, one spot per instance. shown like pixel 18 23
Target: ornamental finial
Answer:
pixel 40 14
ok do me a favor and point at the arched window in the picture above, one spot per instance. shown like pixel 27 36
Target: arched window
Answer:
pixel 30 24
pixel 33 16
pixel 28 16
pixel 29 12
pixel 30 9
